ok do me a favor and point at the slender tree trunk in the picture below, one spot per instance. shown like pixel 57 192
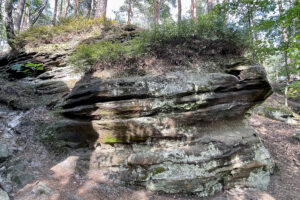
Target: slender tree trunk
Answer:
pixel 129 12
pixel 179 10
pixel 37 14
pixel 67 8
pixel 92 8
pixel 76 8
pixel 287 60
pixel 156 11
pixel 194 10
pixel 101 9
pixel 209 5
pixel 19 15
pixel 276 70
pixel 54 12
pixel 26 17
pixel 61 8
pixel 9 24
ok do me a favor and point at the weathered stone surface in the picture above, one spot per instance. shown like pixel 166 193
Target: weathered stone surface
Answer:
pixel 4 152
pixel 3 195
pixel 182 132
pixel 42 189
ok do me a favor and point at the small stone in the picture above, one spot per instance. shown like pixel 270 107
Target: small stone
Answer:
pixel 42 189
pixel 3 195
pixel 73 197
pixel 4 152
pixel 22 179
pixel 297 136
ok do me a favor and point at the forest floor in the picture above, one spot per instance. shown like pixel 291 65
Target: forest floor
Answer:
pixel 58 179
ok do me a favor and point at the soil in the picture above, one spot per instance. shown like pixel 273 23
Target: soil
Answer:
pixel 57 172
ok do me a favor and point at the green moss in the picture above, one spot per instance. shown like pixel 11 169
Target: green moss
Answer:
pixel 111 140
pixel 158 170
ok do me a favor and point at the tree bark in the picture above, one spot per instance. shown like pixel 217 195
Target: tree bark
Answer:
pixel 67 8
pixel 194 10
pixel 92 8
pixel 209 5
pixel 287 60
pixel 156 7
pixel 9 24
pixel 101 9
pixel 179 10
pixel 61 8
pixel 76 8
pixel 19 15
pixel 37 14
pixel 129 12
pixel 54 12
pixel 26 16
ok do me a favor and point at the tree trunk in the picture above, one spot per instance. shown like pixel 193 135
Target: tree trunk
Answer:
pixel 209 5
pixel 37 14
pixel 287 60
pixel 26 17
pixel 179 10
pixel 194 10
pixel 9 24
pixel 19 15
pixel 92 8
pixel 101 9
pixel 54 12
pixel 61 8
pixel 156 7
pixel 129 12
pixel 76 8
pixel 67 8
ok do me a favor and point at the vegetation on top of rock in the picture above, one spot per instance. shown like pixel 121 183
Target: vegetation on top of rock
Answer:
pixel 47 33
pixel 208 36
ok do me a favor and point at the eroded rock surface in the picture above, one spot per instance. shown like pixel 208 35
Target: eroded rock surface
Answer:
pixel 182 132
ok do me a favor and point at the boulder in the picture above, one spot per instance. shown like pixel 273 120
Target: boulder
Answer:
pixel 3 195
pixel 180 132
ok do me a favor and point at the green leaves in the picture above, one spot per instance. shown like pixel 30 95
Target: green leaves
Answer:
pixel 33 66
pixel 27 68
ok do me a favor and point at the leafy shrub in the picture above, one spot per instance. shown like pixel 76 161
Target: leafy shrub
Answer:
pixel 211 26
pixel 21 70
pixel 294 90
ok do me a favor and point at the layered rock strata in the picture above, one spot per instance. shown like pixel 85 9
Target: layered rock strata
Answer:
pixel 182 132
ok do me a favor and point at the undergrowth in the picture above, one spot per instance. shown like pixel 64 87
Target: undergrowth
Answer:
pixel 44 34
pixel 210 35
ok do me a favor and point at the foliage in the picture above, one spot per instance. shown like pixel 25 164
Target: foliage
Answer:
pixel 106 52
pixel 27 68
pixel 294 89
pixel 210 27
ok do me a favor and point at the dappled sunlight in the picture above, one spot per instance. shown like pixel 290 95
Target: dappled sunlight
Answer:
pixel 65 170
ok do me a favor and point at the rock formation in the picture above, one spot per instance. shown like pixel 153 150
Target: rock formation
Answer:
pixel 180 132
